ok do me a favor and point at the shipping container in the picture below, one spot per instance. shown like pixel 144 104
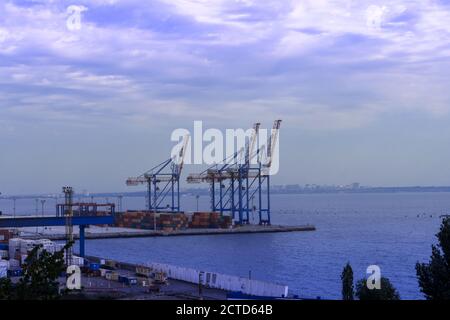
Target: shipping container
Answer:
pixel 131 281
pixel 147 220
pixel 4 266
pixel 114 276
pixel 143 271
pixel 4 254
pixel 111 264
pixel 13 263
pixel 94 266
pixel 94 273
pixel 5 235
pixel 127 280
pixel 143 281
pixel 111 275
pixel 14 273
pixel 103 272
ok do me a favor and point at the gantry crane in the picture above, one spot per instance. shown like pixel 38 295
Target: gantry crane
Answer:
pixel 162 180
pixel 240 182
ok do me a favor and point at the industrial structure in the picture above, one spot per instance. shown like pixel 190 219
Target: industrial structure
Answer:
pixel 81 221
pixel 163 181
pixel 238 182
pixel 86 209
pixel 68 213
pixel 71 212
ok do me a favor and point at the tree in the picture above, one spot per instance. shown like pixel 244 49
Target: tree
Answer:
pixel 347 282
pixel 40 275
pixel 41 271
pixel 386 292
pixel 5 289
pixel 434 276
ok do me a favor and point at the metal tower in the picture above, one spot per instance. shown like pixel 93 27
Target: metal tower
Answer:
pixel 68 212
pixel 162 181
pixel 236 184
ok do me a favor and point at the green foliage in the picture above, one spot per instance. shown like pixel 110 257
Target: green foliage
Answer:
pixel 41 271
pixel 347 282
pixel 434 277
pixel 386 292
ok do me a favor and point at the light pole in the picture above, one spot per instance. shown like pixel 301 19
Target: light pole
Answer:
pixel 120 197
pixel 43 203
pixel 253 208
pixel 197 197
pixel 14 207
pixel 37 211
pixel 200 289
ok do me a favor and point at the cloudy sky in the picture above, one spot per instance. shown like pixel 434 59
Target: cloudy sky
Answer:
pixel 363 87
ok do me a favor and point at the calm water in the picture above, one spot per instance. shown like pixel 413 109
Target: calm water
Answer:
pixel 391 230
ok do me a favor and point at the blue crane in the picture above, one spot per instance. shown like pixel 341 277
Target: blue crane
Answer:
pixel 242 178
pixel 163 181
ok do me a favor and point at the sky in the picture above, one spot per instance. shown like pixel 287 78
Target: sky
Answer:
pixel 362 87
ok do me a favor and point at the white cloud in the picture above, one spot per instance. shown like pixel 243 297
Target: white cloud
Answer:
pixel 224 54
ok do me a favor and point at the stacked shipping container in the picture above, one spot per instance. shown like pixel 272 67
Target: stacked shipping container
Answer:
pixel 20 248
pixel 210 220
pixel 147 220
pixel 5 235
pixel 172 221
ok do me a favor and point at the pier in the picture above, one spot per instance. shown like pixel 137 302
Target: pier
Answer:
pixel 96 232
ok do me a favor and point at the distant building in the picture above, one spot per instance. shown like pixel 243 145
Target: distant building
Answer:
pixel 355 185
pixel 292 187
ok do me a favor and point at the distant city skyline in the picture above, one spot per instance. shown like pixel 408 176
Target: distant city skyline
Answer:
pixel 91 90
pixel 205 190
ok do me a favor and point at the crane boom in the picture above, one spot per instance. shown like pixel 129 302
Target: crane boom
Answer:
pixel 252 143
pixel 272 142
pixel 182 153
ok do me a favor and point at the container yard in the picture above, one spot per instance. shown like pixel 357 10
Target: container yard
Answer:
pixel 102 278
pixel 108 279
pixel 237 189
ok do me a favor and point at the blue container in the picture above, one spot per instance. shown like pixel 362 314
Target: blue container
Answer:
pixel 94 266
pixel 122 279
pixel 131 281
pixel 15 273
pixel 4 246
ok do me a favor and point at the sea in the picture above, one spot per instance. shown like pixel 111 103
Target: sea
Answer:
pixel 391 230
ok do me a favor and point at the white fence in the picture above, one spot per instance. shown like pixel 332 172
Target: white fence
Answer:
pixel 222 281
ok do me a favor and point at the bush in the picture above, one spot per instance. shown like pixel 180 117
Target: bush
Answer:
pixel 386 292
